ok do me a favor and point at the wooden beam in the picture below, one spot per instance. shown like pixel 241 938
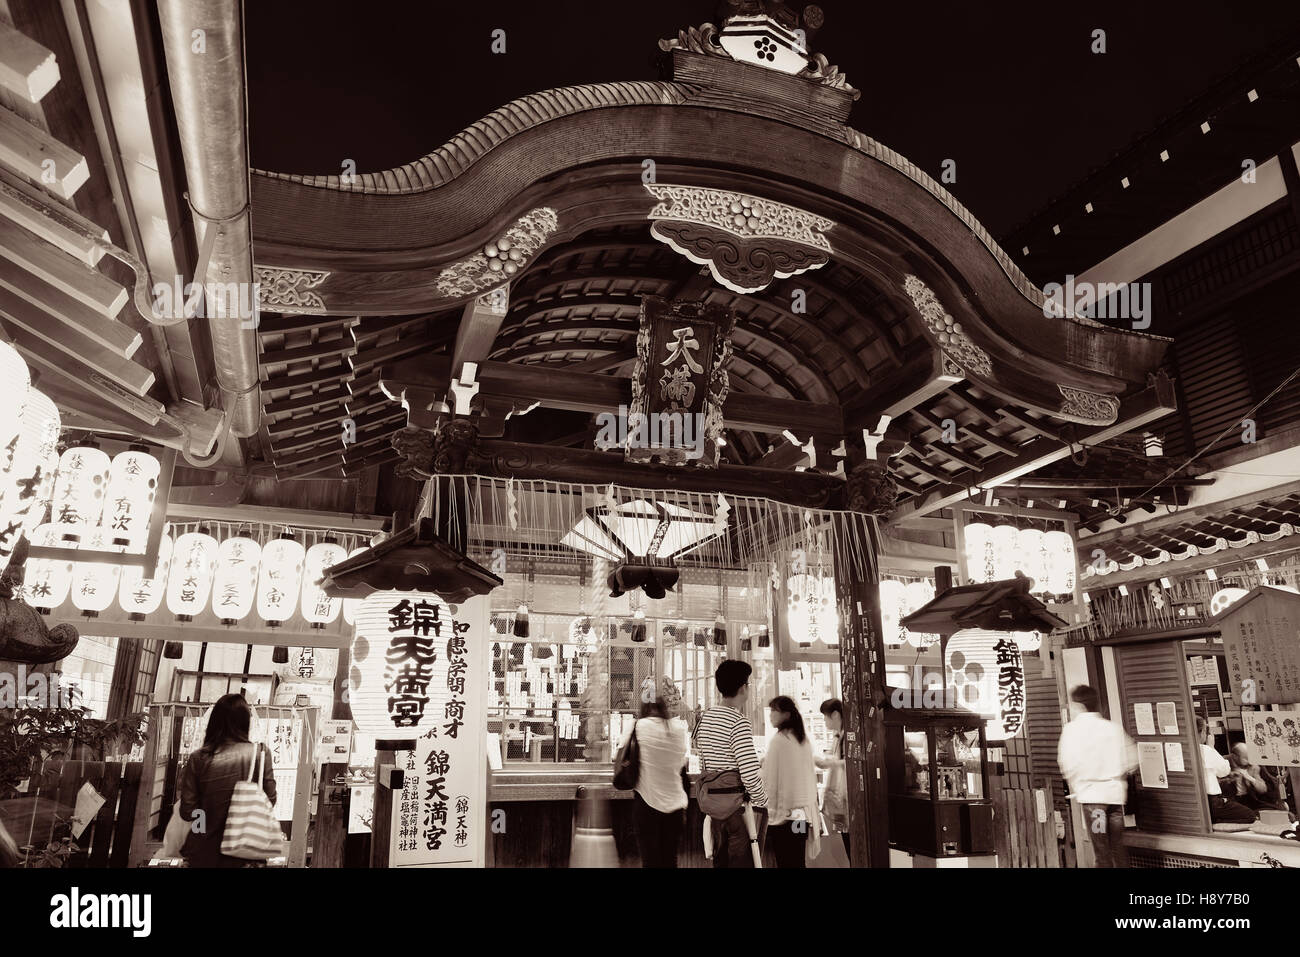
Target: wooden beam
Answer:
pixel 26 68
pixel 282 325
pixel 996 409
pixel 1187 515
pixel 479 323
pixel 557 388
pixel 974 431
pixel 55 344
pixel 313 400
pixel 52 265
pixel 949 450
pixel 1139 409
pixel 344 346
pixel 318 451
pixel 395 350
pixel 51 309
pixel 334 373
pixel 1172 569
pixel 32 209
pixel 27 149
pixel 287 427
pixel 916 381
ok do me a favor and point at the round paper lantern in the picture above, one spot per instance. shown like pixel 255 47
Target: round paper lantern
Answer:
pixel 1061 570
pixel 235 583
pixel 1028 640
pixel 189 581
pixel 1224 597
pixel 1032 558
pixel 27 490
pixel 94 583
pixel 281 580
pixel 987 676
pixel 317 607
pixel 17 381
pixel 917 595
pixel 79 487
pixel 132 482
pixel 350 605
pixel 892 597
pixel 47 580
pixel 980 565
pixel 398 679
pixel 811 616
pixel 139 596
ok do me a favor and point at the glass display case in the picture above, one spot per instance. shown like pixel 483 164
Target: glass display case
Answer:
pixel 936 761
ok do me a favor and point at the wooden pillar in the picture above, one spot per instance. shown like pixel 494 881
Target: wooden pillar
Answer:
pixel 862 676
pixel 382 817
pixel 332 817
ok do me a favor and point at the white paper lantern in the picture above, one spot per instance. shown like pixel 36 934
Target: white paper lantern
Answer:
pixel 987 676
pixel 1032 558
pixel 980 564
pixel 917 595
pixel 1028 641
pixel 318 607
pixel 235 584
pixel 397 682
pixel 892 598
pixel 94 583
pixel 27 490
pixel 1006 551
pixel 132 483
pixel 17 381
pixel 80 485
pixel 281 580
pixel 139 596
pixel 189 581
pixel 1060 563
pixel 47 580
pixel 350 605
pixel 811 616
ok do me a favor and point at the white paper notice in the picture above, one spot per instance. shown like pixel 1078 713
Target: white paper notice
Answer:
pixel 89 801
pixel 1174 756
pixel 1145 718
pixel 1167 715
pixel 1151 765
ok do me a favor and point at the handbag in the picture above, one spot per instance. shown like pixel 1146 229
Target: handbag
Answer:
pixel 627 766
pixel 721 793
pixel 178 829
pixel 252 833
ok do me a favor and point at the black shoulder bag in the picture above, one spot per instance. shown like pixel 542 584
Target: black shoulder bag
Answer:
pixel 627 766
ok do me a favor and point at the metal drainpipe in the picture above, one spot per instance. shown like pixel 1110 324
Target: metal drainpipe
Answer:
pixel 208 92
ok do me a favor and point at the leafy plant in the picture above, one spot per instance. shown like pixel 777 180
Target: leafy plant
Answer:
pixel 30 735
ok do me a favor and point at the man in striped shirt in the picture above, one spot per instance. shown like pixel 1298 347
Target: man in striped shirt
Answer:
pixel 724 741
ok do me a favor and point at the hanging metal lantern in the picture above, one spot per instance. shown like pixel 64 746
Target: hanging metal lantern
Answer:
pixel 47 580
pixel 317 607
pixel 189 581
pixel 281 579
pixel 350 605
pixel 235 584
pixel 128 503
pixel 399 645
pixel 94 584
pixel 980 564
pixel 139 596
pixel 79 487
pixel 30 483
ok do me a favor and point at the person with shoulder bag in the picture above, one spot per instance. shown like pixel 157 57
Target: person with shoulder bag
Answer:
pixel 652 765
pixel 227 791
pixel 731 790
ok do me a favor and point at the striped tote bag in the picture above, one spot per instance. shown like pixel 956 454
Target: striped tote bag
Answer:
pixel 252 833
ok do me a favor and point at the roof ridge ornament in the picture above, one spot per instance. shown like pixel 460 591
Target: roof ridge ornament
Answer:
pixel 765 33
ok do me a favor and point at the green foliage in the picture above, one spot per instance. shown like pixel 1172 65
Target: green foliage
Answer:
pixel 30 735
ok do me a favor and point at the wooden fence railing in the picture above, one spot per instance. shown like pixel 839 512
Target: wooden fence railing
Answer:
pixel 38 818
pixel 1021 840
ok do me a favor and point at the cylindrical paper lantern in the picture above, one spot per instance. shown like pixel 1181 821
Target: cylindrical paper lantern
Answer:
pixel 29 484
pixel 235 584
pixel 17 381
pixel 811 614
pixel 980 564
pixel 189 582
pixel 281 580
pixel 1006 553
pixel 1032 560
pixel 318 607
pixel 79 488
pixel 987 675
pixel 139 596
pixel 132 482
pixel 1060 563
pixel 94 583
pixel 47 580
pixel 397 681
pixel 917 595
pixel 350 605
pixel 892 597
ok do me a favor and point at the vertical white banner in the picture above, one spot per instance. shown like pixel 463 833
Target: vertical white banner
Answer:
pixel 440 816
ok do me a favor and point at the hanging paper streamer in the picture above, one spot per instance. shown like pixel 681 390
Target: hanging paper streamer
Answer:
pixel 512 505
pixel 721 515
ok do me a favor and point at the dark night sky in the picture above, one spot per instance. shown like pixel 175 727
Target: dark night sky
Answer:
pixel 1009 90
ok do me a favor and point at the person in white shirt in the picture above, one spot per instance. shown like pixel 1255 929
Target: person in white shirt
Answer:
pixel 660 794
pixel 1096 756
pixel 1223 809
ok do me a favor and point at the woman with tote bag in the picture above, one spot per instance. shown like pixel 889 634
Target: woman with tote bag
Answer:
pixel 790 780
pixel 224 771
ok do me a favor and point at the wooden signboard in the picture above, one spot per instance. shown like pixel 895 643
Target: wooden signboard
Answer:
pixel 1261 638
